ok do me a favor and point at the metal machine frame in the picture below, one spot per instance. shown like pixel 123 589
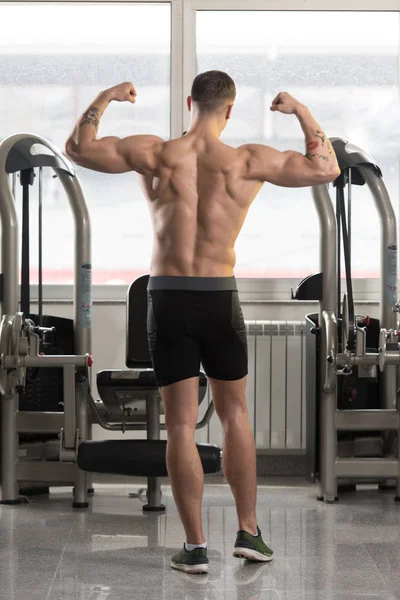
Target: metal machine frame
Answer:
pixel 333 365
pixel 19 152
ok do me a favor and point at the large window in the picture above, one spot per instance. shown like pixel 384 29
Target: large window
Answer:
pixel 54 59
pixel 345 67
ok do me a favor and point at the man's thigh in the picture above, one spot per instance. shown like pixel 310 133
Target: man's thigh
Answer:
pixel 174 358
pixel 229 397
pixel 174 354
pixel 181 403
pixel 225 358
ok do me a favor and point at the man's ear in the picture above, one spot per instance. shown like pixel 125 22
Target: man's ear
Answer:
pixel 189 103
pixel 229 112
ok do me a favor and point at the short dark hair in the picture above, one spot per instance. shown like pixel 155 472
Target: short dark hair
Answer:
pixel 213 89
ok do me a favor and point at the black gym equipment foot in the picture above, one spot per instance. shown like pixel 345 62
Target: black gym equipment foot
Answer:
pixel 21 500
pixel 80 505
pixel 397 498
pixel 384 487
pixel 322 499
pixel 147 508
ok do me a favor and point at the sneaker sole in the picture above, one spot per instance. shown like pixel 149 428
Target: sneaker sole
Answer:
pixel 192 569
pixel 251 555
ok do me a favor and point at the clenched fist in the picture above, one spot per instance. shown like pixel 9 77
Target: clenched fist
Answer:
pixel 124 92
pixel 285 103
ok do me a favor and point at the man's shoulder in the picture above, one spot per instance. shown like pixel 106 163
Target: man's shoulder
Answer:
pixel 143 143
pixel 255 152
pixel 255 148
pixel 157 141
pixel 142 151
pixel 249 152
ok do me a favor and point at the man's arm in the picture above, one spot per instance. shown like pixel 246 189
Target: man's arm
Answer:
pixel 111 154
pixel 293 169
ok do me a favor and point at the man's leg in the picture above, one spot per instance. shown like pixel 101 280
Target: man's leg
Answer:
pixel 239 455
pixel 185 470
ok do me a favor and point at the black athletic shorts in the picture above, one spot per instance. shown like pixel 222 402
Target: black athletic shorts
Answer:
pixel 193 320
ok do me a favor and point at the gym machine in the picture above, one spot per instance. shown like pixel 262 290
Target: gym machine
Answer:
pixel 353 429
pixel 57 449
pixel 130 400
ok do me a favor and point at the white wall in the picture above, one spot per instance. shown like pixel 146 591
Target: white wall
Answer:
pixel 109 339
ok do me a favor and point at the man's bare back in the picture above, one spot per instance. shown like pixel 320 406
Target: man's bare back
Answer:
pixel 198 199
pixel 199 189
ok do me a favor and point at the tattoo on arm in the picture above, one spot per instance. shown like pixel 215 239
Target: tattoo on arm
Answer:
pixel 319 134
pixel 321 156
pixel 91 117
pixel 312 146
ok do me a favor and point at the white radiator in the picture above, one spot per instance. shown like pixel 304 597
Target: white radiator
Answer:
pixel 275 387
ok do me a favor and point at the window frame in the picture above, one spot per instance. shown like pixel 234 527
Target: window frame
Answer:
pixel 183 70
pixel 176 66
pixel 258 291
pixel 274 289
pixel 191 7
pixel 110 293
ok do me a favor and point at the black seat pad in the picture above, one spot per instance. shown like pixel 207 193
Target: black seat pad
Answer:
pixel 134 379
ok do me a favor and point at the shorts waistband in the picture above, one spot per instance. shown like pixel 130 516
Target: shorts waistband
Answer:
pixel 198 284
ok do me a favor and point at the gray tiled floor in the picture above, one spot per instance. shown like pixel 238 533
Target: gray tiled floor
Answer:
pixel 346 551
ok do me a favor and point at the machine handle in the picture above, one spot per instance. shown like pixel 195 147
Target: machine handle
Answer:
pixel 15 362
pixel 329 325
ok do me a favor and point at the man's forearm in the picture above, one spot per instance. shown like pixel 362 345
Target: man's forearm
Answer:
pixel 318 146
pixel 85 131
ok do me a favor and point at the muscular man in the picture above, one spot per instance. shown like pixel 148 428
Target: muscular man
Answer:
pixel 198 192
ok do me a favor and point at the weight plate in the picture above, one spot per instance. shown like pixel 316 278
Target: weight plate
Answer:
pixel 6 330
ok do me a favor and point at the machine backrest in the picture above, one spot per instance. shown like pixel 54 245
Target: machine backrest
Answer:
pixel 137 349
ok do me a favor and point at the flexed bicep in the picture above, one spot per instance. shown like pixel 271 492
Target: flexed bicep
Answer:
pixel 286 169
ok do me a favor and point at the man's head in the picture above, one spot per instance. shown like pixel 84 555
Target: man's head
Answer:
pixel 213 94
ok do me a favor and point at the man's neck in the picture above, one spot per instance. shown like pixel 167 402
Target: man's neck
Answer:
pixel 205 127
